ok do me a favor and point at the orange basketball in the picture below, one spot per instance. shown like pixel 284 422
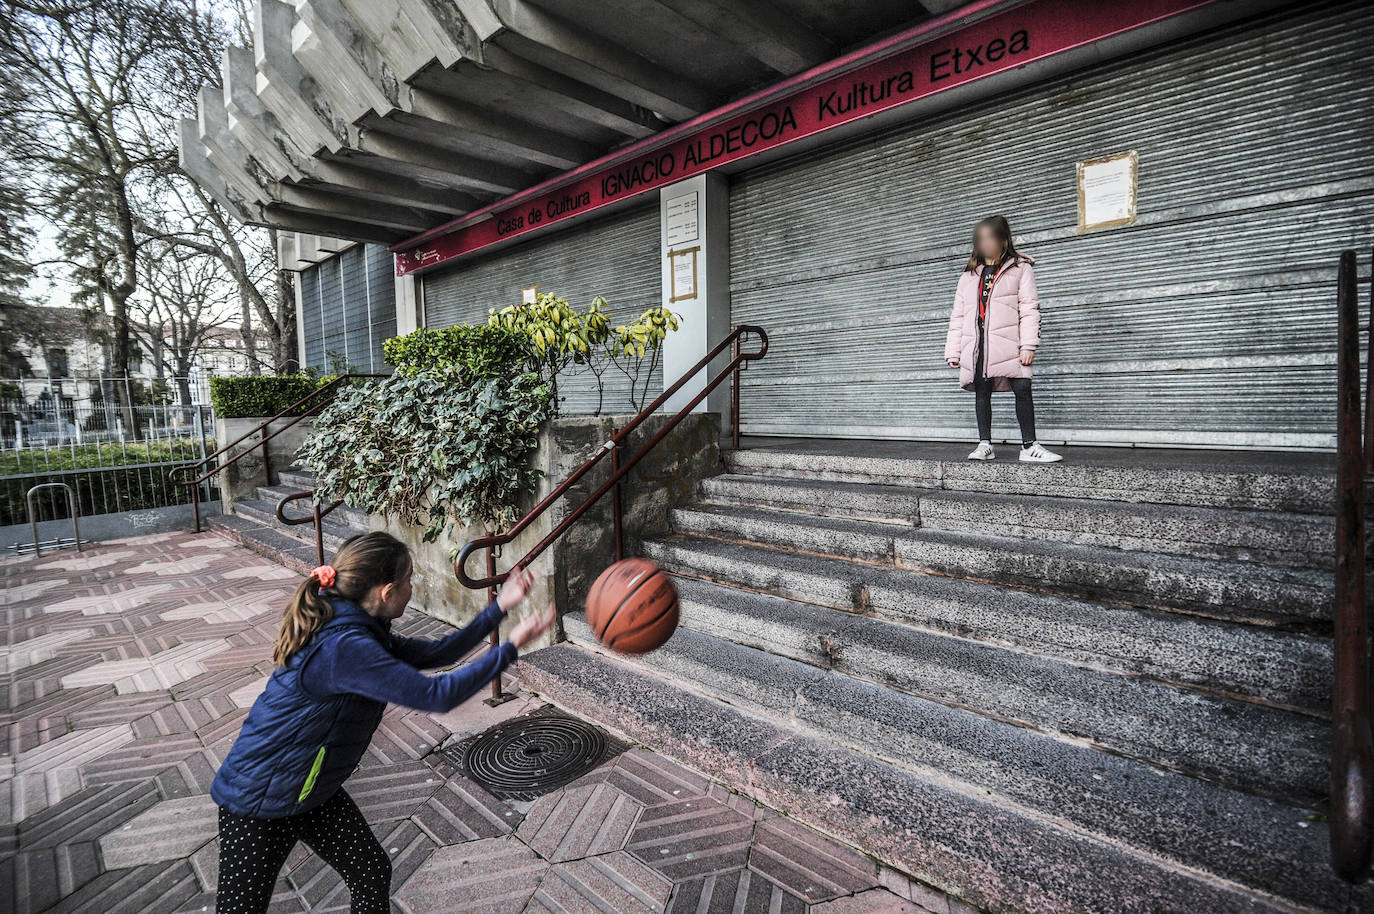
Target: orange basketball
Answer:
pixel 632 607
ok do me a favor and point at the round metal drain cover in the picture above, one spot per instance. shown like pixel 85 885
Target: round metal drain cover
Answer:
pixel 527 757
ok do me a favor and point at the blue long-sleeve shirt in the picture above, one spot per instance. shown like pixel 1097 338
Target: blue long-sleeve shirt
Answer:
pixel 360 664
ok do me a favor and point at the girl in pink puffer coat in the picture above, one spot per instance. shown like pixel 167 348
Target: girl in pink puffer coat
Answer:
pixel 994 332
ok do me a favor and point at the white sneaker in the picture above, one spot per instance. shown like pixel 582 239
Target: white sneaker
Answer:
pixel 983 451
pixel 1037 454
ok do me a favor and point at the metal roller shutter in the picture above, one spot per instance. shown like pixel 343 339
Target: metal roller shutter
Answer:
pixel 616 257
pixel 348 304
pixel 1211 321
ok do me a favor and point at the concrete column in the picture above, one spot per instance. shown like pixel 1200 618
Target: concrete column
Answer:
pixel 705 318
pixel 300 323
pixel 408 316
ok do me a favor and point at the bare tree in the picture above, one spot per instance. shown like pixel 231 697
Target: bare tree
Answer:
pixel 183 299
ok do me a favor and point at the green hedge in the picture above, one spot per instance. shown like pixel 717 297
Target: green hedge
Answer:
pixel 476 352
pixel 238 398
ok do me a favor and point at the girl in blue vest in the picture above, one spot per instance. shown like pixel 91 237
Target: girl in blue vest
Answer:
pixel 338 666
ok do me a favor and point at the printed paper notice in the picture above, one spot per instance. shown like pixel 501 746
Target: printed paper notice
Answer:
pixel 684 273
pixel 1107 191
pixel 680 219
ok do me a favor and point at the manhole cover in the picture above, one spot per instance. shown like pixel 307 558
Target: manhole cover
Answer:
pixel 526 757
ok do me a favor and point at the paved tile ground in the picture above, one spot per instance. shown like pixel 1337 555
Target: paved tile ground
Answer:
pixel 127 671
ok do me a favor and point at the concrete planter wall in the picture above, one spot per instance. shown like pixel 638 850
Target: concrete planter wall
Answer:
pixel 668 476
pixel 239 479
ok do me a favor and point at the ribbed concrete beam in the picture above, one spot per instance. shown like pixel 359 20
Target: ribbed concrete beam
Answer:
pixel 327 203
pixel 329 225
pixel 344 62
pixel 193 162
pixel 576 98
pixel 570 49
pixel 224 153
pixel 759 28
pixel 412 34
pixel 284 87
pixel 346 176
pixel 445 165
pixel 252 124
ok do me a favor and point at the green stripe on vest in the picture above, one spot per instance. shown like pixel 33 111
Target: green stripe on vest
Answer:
pixel 310 778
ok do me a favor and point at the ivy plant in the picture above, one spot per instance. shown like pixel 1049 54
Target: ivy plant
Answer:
pixel 430 448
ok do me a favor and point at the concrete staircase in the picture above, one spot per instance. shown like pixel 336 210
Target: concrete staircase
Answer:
pixel 253 522
pixel 1099 686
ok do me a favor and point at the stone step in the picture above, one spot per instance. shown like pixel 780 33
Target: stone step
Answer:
pixel 1274 482
pixel 297 478
pixel 1252 746
pixel 343 514
pixel 268 542
pixel 1224 589
pixel 1287 669
pixel 1257 536
pixel 265 513
pixel 1235 835
pixel 994 850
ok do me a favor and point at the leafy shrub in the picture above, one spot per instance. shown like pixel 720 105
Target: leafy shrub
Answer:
pixel 478 352
pixel 431 447
pixel 267 395
pixel 566 341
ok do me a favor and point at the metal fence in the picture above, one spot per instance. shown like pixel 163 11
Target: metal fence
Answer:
pixel 114 457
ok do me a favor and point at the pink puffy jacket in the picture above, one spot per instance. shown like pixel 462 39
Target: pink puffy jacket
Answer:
pixel 1013 324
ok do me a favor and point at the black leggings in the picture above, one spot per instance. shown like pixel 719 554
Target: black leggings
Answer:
pixel 1025 408
pixel 252 851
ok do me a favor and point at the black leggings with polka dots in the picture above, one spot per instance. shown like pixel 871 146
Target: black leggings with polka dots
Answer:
pixel 252 851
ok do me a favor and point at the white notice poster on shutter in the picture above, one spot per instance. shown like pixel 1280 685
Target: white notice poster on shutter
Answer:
pixel 1106 191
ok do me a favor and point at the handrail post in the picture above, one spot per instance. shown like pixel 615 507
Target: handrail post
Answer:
pixel 617 506
pixel 734 396
pixel 319 532
pixel 1352 745
pixel 497 697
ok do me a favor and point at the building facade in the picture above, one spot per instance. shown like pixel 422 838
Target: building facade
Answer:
pixel 834 208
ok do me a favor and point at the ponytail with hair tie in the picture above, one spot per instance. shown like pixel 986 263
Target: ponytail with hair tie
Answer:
pixel 363 562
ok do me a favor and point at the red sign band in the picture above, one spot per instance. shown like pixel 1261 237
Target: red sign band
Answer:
pixel 1030 32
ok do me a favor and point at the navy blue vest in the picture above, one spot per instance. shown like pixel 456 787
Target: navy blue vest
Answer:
pixel 296 749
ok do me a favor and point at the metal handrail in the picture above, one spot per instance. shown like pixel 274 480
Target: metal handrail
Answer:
pixel 1352 742
pixel 317 517
pixel 620 467
pixel 266 459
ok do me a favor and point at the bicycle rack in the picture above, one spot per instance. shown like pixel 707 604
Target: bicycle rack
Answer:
pixel 33 521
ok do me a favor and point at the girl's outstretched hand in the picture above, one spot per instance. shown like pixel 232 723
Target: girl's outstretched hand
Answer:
pixel 515 589
pixel 531 627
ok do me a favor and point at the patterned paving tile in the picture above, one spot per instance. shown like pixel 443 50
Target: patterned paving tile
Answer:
pixel 160 671
pixel 394 791
pixel 692 837
pixel 740 891
pixel 262 572
pixel 101 603
pixel 157 887
pixel 87 815
pixel 42 877
pixel 461 811
pixel 46 775
pixel 323 890
pixel 216 611
pixel 36 650
pixel 182 717
pixel 22 593
pixel 651 778
pixel 404 735
pixel 873 901
pixel 141 759
pixel 579 822
pixel 189 776
pixel 806 863
pixel 167 831
pixel 118 709
pixel 489 876
pixel 614 883
pixel 177 567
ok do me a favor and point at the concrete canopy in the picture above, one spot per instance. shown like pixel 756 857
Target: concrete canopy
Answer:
pixel 376 120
